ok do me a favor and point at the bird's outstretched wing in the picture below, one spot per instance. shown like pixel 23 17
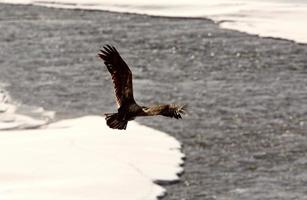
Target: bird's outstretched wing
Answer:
pixel 168 110
pixel 121 74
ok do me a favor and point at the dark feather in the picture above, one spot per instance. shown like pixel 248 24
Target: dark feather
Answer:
pixel 114 121
pixel 121 74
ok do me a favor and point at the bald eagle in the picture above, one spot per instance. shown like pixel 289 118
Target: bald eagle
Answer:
pixel 128 109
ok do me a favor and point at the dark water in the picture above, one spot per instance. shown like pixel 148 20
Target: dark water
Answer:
pixel 245 135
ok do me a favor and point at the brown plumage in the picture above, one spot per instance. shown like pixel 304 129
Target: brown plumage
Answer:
pixel 128 109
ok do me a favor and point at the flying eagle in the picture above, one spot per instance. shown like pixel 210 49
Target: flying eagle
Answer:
pixel 128 109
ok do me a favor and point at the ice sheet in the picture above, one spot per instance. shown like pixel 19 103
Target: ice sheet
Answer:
pixel 83 159
pixel 283 18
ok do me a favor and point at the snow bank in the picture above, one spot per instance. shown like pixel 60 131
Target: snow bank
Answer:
pixel 283 19
pixel 83 159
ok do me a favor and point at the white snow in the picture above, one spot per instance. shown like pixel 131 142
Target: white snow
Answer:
pixel 78 159
pixel 274 18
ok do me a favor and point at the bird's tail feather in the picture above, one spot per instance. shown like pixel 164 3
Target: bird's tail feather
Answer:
pixel 113 121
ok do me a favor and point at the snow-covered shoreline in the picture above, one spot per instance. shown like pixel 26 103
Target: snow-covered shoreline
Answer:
pixel 280 19
pixel 83 158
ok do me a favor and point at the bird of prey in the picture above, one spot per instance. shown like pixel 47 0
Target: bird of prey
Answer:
pixel 128 109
